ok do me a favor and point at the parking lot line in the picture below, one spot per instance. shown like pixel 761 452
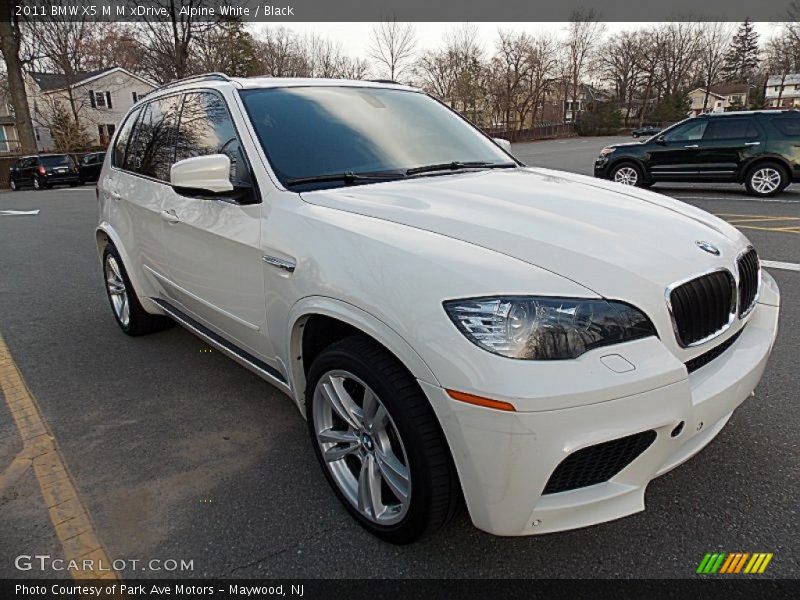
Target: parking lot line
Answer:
pixel 70 518
pixel 774 264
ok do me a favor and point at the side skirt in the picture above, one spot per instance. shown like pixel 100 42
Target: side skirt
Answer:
pixel 244 358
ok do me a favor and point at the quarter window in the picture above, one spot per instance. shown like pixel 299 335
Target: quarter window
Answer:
pixel 121 144
pixel 789 126
pixel 206 128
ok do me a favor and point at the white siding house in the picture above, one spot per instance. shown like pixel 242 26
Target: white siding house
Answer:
pixel 787 87
pixel 99 98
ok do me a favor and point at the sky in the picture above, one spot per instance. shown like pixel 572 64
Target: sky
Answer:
pixel 355 37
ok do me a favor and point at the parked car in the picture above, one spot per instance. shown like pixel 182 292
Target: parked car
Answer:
pixel 44 171
pixel 646 131
pixel 756 148
pixel 450 322
pixel 90 165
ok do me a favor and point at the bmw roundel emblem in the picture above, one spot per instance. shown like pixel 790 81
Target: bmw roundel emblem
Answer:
pixel 706 247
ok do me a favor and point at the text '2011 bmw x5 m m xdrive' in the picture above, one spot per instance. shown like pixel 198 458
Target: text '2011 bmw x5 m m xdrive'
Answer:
pixel 450 322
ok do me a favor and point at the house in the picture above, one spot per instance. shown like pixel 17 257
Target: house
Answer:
pixel 785 87
pixel 586 96
pixel 9 141
pixel 722 97
pixel 99 100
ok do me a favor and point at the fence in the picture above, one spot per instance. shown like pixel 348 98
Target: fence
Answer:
pixel 537 132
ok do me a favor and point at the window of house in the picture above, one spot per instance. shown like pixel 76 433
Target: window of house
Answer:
pixel 151 151
pixel 206 127
pixel 38 134
pixel 100 99
pixel 136 96
pixel 105 132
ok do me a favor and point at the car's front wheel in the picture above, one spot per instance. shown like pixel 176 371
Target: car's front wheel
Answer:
pixel 628 174
pixel 766 179
pixel 37 184
pixel 379 442
pixel 128 311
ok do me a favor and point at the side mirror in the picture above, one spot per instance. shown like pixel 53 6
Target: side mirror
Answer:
pixel 660 140
pixel 202 174
pixel 504 144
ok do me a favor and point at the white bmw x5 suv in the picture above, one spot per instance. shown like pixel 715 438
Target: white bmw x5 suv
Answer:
pixel 451 323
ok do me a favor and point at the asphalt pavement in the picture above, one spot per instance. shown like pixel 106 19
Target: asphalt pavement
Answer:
pixel 179 453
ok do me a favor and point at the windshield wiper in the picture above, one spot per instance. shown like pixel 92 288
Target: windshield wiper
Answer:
pixel 459 165
pixel 347 177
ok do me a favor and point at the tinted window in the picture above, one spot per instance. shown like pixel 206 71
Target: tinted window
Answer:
pixel 152 148
pixel 310 131
pixel 56 161
pixel 121 143
pixel 730 129
pixel 687 132
pixel 207 128
pixel 788 125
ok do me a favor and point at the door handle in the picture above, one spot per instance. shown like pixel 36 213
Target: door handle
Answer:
pixel 752 143
pixel 692 146
pixel 170 216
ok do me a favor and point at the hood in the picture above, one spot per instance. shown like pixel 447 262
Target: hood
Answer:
pixel 620 242
pixel 627 144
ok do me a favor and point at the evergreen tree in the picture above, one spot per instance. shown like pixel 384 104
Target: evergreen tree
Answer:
pixel 742 58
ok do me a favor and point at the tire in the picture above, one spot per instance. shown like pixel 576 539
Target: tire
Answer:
pixel 13 185
pixel 133 320
pixel 627 173
pixel 408 437
pixel 766 179
pixel 37 185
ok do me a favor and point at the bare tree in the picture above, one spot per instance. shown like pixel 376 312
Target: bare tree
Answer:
pixel 678 53
pixel 10 41
pixel 279 53
pixel 621 64
pixel 392 46
pixel 648 61
pixel 166 44
pixel 584 33
pixel 713 46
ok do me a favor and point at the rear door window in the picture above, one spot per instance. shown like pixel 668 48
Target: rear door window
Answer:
pixel 730 129
pixel 57 161
pixel 152 151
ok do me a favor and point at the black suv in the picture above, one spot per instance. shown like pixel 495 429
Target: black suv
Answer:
pixel 44 171
pixel 758 148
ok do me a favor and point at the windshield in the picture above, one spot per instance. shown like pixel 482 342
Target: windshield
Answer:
pixel 56 161
pixel 308 132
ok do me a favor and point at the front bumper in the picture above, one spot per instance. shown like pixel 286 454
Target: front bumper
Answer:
pixel 505 459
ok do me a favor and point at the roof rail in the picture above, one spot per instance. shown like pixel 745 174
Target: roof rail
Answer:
pixel 385 81
pixel 202 77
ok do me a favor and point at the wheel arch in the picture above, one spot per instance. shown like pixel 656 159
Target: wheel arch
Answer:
pixel 632 160
pixel 104 235
pixel 317 321
pixel 765 158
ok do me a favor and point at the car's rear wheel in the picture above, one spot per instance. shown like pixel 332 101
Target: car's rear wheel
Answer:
pixel 628 174
pixel 379 442
pixel 13 185
pixel 766 179
pixel 128 311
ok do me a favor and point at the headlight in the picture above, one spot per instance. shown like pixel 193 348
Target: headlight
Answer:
pixel 606 151
pixel 542 328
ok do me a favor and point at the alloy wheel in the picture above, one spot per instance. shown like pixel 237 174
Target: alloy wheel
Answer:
pixel 361 447
pixel 36 184
pixel 626 176
pixel 766 180
pixel 117 291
